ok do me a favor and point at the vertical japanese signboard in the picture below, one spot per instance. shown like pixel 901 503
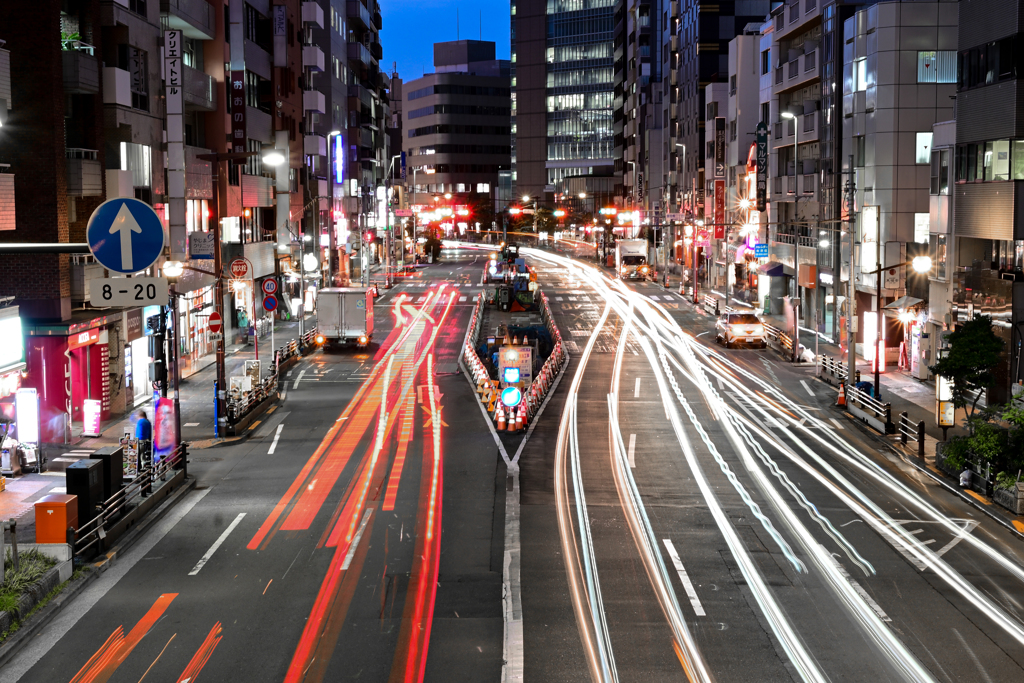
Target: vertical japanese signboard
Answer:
pixel 173 68
pixel 719 209
pixel 238 111
pixel 761 133
pixel 719 147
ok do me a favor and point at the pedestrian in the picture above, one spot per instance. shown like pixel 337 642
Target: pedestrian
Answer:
pixel 965 478
pixel 144 435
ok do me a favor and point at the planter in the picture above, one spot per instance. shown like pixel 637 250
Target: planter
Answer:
pixel 1012 498
pixel 35 593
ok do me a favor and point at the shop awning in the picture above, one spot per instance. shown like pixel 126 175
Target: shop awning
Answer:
pixel 904 302
pixel 775 269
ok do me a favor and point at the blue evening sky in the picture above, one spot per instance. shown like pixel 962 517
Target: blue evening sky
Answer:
pixel 411 27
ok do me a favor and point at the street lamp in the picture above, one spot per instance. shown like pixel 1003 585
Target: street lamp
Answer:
pixel 920 264
pixel 273 158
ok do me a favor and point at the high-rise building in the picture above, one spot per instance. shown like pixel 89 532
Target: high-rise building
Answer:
pixel 456 125
pixel 562 92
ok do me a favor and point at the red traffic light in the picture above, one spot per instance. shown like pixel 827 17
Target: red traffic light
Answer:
pixel 369 236
pixel 515 210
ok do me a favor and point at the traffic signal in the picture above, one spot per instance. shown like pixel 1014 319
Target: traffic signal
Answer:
pixel 369 236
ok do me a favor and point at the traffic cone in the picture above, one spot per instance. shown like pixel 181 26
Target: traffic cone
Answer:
pixel 501 419
pixel 491 397
pixel 513 425
pixel 479 383
pixel 841 401
pixel 506 341
pixel 519 419
pixel 525 413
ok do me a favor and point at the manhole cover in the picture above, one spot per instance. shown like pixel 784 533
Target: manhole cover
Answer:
pixel 207 459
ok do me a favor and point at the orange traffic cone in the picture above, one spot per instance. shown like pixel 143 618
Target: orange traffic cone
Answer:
pixel 524 413
pixel 515 340
pixel 506 340
pixel 501 419
pixel 519 419
pixel 841 401
pixel 490 399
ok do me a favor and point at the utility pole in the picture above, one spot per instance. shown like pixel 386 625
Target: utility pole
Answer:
pixel 851 346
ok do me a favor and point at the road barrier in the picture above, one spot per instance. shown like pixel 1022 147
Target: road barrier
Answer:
pixel 869 410
pixel 778 340
pixel 123 509
pixel 909 431
pixel 711 304
pixel 834 371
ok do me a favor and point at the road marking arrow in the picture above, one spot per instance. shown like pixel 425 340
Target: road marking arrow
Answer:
pixel 126 224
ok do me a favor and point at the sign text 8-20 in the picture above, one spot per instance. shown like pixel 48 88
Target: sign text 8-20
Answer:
pixel 137 291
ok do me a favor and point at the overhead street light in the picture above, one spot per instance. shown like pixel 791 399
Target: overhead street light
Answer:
pixel 273 158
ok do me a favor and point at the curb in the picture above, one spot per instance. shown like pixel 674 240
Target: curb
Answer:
pixel 219 442
pixel 44 616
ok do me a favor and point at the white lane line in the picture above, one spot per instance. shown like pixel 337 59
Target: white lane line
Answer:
pixel 273 446
pixel 632 448
pixel 462 298
pixel 857 587
pixel 687 586
pixel 216 544
pixel 654 297
pixel 558 298
pixel 295 384
pixel 191 424
pixel 721 384
pixel 837 423
pixel 636 389
pixel 355 541
pixel 807 387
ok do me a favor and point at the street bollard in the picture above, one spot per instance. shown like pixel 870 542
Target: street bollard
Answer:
pixel 920 439
pixel 13 526
pixel 903 428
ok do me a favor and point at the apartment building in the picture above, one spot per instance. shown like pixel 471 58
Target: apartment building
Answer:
pixel 457 136
pixel 987 258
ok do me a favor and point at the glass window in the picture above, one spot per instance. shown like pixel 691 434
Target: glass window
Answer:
pixel 1018 159
pixel 861 75
pixel 937 247
pixel 987 161
pixel 924 147
pixel 1001 160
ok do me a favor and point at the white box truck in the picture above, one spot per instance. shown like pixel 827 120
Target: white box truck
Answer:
pixel 344 315
pixel 631 260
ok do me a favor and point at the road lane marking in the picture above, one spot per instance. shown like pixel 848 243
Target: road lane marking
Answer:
pixel 654 297
pixel 462 298
pixel 636 389
pixel 858 588
pixel 837 423
pixel 295 384
pixel 355 541
pixel 687 585
pixel 216 544
pixel 191 424
pixel 632 447
pixel 807 387
pixel 273 446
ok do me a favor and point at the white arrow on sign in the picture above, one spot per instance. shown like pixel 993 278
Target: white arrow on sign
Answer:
pixel 126 224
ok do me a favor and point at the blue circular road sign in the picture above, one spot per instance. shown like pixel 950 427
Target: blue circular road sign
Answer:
pixel 269 302
pixel 125 235
pixel 511 396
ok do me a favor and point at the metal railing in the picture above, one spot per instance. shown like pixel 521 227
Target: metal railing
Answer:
pixel 908 431
pixel 241 403
pixel 778 338
pixel 112 510
pixel 831 368
pixel 880 411
pixel 711 304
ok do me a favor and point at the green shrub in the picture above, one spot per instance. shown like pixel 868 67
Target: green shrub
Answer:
pixel 32 566
pixel 956 452
pixel 1006 480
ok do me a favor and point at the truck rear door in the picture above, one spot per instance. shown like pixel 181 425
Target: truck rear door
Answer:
pixel 353 315
pixel 328 314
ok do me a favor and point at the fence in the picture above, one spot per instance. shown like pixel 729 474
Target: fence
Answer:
pixel 240 404
pixel 835 372
pixel 777 339
pixel 711 304
pixel 90 537
pixel 869 410
pixel 909 431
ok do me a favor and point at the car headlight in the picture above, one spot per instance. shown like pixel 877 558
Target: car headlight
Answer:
pixel 625 269
pixel 362 340
pixel 319 339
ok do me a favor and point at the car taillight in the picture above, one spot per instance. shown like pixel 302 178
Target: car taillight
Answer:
pixel 363 340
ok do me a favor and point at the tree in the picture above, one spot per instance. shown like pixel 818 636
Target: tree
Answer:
pixel 973 354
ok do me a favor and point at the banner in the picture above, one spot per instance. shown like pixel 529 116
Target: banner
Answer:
pixel 163 428
pixel 761 133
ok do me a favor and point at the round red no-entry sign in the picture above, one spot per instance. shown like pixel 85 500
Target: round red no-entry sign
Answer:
pixel 215 322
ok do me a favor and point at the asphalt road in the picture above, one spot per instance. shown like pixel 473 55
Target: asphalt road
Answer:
pixel 742 528
pixel 339 542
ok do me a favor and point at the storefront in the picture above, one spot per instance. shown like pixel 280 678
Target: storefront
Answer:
pixel 12 369
pixel 136 355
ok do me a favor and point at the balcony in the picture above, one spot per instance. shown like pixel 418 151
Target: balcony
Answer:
pixel 81 72
pixel 357 52
pixel 359 15
pixel 377 51
pixel 795 15
pixel 199 90
pixel 312 58
pixel 312 13
pixel 194 18
pixel 117 87
pixel 377 21
pixel 85 176
pixel 6 198
pixel 313 100
pixel 808 184
pixel 360 95
pixel 314 145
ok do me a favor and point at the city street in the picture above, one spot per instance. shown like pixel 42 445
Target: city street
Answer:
pixel 339 541
pixel 733 525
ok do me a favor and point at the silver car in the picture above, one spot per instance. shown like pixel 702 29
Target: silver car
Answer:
pixel 738 329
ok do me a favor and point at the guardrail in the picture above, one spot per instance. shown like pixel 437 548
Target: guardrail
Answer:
pixel 835 371
pixel 909 431
pixel 869 410
pixel 94 532
pixel 777 339
pixel 711 304
pixel 239 405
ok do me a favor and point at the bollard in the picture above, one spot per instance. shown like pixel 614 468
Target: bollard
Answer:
pixel 13 526
pixel 903 428
pixel 920 439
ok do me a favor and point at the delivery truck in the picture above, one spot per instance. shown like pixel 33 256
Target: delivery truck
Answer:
pixel 631 260
pixel 345 316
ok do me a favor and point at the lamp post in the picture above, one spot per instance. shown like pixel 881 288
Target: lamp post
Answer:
pixel 332 241
pixel 172 271
pixel 920 264
pixel 796 260
pixel 388 240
